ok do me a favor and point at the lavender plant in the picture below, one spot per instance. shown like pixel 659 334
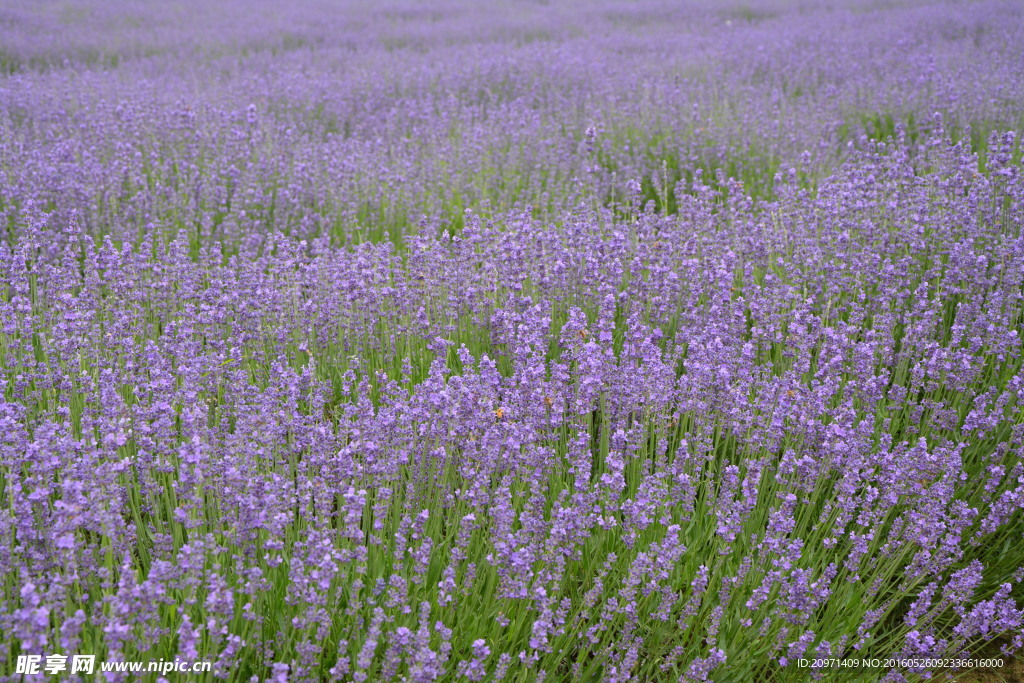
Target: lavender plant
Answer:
pixel 402 344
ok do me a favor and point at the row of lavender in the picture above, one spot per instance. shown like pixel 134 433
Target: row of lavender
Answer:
pixel 701 445
pixel 358 123
pixel 630 418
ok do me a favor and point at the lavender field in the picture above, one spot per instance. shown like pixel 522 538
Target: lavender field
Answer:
pixel 529 340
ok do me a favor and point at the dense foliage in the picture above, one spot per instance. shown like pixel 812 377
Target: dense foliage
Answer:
pixel 522 341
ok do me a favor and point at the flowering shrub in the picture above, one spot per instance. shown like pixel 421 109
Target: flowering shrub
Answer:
pixel 400 345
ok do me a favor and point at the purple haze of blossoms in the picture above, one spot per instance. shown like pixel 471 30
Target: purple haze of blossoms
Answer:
pixel 415 344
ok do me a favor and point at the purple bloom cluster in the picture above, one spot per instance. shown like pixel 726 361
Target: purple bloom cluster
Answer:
pixel 716 364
